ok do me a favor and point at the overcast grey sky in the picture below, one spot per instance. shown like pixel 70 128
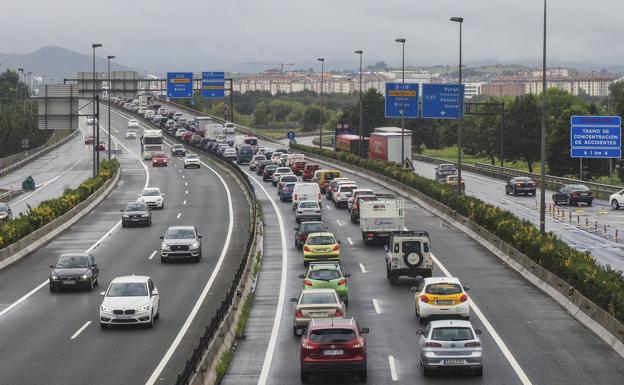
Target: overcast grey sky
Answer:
pixel 159 35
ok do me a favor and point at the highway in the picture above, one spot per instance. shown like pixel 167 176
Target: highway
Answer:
pixel 59 332
pixel 525 331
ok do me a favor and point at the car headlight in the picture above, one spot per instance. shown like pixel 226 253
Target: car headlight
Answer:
pixel 195 245
pixel 144 215
pixel 144 307
pixel 165 246
pixel 3 215
pixel 85 275
pixel 125 215
pixel 104 308
pixel 54 277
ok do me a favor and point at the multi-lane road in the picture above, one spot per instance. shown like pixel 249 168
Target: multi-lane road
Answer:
pixel 54 338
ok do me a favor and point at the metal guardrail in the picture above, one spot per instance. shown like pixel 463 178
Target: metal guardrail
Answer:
pixel 506 173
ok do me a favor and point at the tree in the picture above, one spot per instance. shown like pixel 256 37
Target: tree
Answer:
pixel 558 143
pixel 523 122
pixel 312 117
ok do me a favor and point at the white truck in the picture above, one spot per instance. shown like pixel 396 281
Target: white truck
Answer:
pixel 213 131
pixel 201 124
pixel 380 218
pixel 151 143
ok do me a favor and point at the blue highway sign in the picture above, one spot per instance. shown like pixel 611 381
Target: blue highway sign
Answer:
pixel 578 120
pixel 443 101
pixel 595 137
pixel 596 153
pixel 180 84
pixel 401 97
pixel 290 135
pixel 213 84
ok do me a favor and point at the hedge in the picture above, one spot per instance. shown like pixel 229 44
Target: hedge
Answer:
pixel 15 229
pixel 601 284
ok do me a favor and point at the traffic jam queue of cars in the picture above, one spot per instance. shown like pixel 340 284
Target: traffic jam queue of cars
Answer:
pixel 331 339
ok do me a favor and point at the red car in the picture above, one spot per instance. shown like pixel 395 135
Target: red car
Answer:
pixel 333 345
pixel 88 139
pixel 159 159
pixel 187 135
pixel 308 171
pixel 101 146
pixel 298 166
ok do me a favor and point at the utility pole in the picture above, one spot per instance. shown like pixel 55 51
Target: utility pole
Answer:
pixel 460 100
pixel 402 41
pixel 96 124
pixel 361 131
pixel 322 60
pixel 109 106
pixel 543 138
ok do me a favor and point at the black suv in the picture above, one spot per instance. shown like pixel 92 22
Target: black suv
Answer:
pixel 74 270
pixel 136 213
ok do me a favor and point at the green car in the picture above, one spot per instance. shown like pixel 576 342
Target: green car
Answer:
pixel 327 276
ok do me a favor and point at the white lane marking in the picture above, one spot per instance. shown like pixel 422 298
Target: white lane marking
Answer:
pixel 182 176
pixel 499 341
pixel 179 170
pixel 376 306
pixel 152 255
pixel 179 215
pixel 24 297
pixel 362 268
pixel 350 241
pixel 38 188
pixel 176 342
pixel 328 207
pixel 268 357
pixel 340 222
pixel 80 330
pixel 393 372
pixel 185 183
pixel 184 202
pixel 186 192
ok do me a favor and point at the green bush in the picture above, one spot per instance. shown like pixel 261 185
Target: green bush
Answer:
pixel 15 229
pixel 601 284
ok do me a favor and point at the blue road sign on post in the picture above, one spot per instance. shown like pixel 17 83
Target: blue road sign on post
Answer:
pixel 401 97
pixel 595 137
pixel 290 135
pixel 213 84
pixel 180 84
pixel 443 101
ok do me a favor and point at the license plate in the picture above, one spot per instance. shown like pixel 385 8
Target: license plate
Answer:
pixel 122 317
pixel 69 282
pixel 318 314
pixel 584 194
pixel 135 219
pixel 334 352
pixel 453 362
pixel 444 302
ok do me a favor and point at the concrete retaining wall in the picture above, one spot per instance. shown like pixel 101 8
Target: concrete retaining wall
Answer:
pixel 40 237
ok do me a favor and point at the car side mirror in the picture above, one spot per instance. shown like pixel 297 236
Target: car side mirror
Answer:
pixel 413 288
pixel 163 195
pixel 162 237
pixel 466 288
pixel 51 266
pixel 347 275
pixel 294 300
pixel 121 210
pixel 478 331
pixel 295 228
pixel 102 293
pixel 301 276
pixel 365 330
pixel 154 292
pixel 386 247
pixel 420 332
pixel 199 236
pixel 139 195
pixel 339 242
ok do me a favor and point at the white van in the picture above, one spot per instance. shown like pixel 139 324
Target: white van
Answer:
pixel 149 114
pixel 306 192
pixel 292 158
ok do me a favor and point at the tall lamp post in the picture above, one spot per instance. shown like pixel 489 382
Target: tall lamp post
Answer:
pixel 231 81
pixel 402 41
pixel 360 144
pixel 460 100
pixel 543 139
pixel 322 60
pixel 96 125
pixel 109 57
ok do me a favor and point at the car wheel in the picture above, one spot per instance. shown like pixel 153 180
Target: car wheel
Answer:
pixel 149 223
pixel 506 191
pixel 123 224
pixel 422 320
pixel 427 372
pixel 515 193
pixel 103 326
pixel 346 301
pixel 615 205
pixel 163 259
pixel 305 377
pixel 52 289
pixel 151 323
pixel 363 376
pixel 478 372
pixel 157 316
pixel 295 331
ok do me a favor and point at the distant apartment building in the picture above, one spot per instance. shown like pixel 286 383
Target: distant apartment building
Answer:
pixel 296 82
pixel 502 89
pixel 575 87
pixel 472 89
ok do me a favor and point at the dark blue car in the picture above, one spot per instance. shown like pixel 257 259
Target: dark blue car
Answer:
pixel 286 192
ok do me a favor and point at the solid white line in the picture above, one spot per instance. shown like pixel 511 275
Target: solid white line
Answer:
pixel 184 202
pixel 185 183
pixel 38 188
pixel 80 330
pixel 376 306
pixel 350 241
pixel 186 192
pixel 182 176
pixel 393 372
pixel 152 255
pixel 24 297
pixel 179 170
pixel 499 341
pixel 362 268
pixel 179 215
pixel 176 342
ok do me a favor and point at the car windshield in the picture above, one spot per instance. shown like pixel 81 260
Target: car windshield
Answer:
pixel 284 170
pixel 321 240
pixel 191 156
pixel 289 178
pixel 289 185
pixel 452 334
pixel 4 207
pixel 578 187
pixel 127 289
pixel 271 168
pixel 324 274
pixel 523 180
pixel 317 298
pixel 150 193
pixel 313 227
pixel 161 155
pixel 332 336
pixel 447 167
pixel 308 205
pixel 347 188
pixel 72 262
pixel 443 289
pixel 180 234
pixel 135 207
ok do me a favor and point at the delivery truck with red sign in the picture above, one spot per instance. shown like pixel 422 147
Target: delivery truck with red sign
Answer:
pixel 385 144
pixel 351 143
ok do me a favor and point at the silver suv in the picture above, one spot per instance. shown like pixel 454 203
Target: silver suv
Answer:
pixel 408 255
pixel 181 242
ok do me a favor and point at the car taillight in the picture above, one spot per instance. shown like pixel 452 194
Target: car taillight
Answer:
pixel 305 344
pixel 433 345
pixel 303 237
pixel 472 344
pixel 296 196
pixel 518 184
pixel 306 248
pixel 359 344
pixel 424 298
pixel 299 314
pixel 339 313
pixel 463 298
pixel 336 248
pixel 307 282
pixel 318 196
pixel 342 282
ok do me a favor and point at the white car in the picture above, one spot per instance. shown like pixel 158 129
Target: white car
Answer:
pixel 149 114
pixel 191 160
pixel 152 197
pixel 91 120
pixel 229 153
pixel 617 200
pixel 177 116
pixel 443 297
pixel 131 299
pixel 278 173
pixel 179 132
pixel 131 135
pixel 275 158
pixel 133 123
pixel 142 111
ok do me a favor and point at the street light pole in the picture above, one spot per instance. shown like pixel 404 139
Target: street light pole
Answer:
pixel 109 105
pixel 95 124
pixel 322 60
pixel 460 100
pixel 231 80
pixel 402 41
pixel 543 138
pixel 361 131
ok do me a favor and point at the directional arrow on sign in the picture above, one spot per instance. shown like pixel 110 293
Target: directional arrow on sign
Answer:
pixel 442 112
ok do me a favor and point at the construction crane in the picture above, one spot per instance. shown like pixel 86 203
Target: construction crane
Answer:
pixel 281 65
